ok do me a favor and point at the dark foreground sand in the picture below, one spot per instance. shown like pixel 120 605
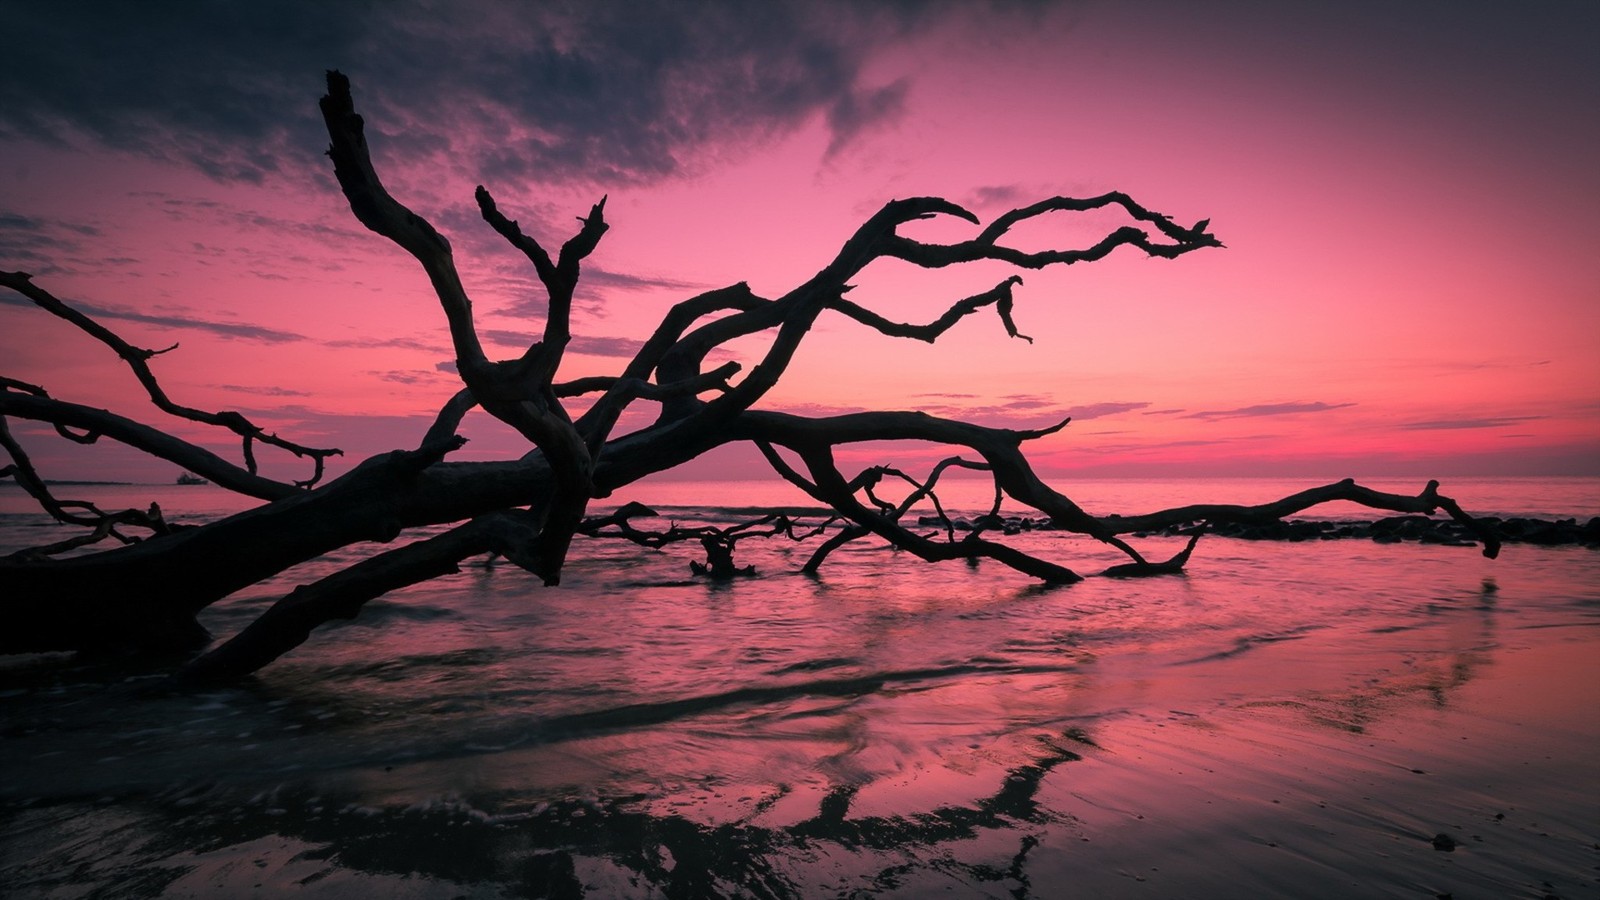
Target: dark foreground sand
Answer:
pixel 1229 735
pixel 1493 790
pixel 1427 784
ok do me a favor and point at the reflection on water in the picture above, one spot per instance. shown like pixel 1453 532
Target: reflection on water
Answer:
pixel 890 729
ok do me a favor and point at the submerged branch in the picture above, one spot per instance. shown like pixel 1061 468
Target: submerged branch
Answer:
pixel 1426 503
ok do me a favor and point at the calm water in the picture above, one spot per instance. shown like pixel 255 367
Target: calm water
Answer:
pixel 890 728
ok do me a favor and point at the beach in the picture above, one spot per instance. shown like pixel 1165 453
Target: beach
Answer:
pixel 1336 718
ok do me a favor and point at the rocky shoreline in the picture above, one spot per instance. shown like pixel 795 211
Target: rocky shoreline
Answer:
pixel 1391 530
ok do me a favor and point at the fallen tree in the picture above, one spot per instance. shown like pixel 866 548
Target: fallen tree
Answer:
pixel 144 594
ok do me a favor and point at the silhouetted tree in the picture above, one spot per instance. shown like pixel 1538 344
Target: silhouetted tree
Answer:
pixel 145 595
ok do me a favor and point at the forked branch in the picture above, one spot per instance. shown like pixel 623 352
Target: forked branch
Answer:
pixel 138 359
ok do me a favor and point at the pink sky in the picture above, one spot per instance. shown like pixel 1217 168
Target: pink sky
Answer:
pixel 1410 285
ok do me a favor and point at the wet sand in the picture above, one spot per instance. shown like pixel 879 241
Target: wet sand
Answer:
pixel 1441 744
pixel 1489 789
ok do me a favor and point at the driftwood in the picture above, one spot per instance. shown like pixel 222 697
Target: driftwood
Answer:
pixel 144 595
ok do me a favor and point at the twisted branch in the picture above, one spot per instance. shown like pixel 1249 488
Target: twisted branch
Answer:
pixel 137 359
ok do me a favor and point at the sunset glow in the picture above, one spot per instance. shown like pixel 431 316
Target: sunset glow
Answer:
pixel 1408 201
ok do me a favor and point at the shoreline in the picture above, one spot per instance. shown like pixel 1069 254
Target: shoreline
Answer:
pixel 1448 760
pixel 1375 793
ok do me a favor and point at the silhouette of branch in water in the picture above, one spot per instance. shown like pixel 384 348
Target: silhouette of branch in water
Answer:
pixel 718 542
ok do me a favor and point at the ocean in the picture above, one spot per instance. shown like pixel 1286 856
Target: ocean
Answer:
pixel 887 728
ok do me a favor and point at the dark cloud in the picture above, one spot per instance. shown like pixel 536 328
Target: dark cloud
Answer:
pixel 39 246
pixel 1023 402
pixel 814 410
pixel 1022 411
pixel 595 276
pixel 1266 409
pixel 610 91
pixel 860 111
pixel 408 376
pixel 400 343
pixel 529 302
pixel 619 347
pixel 1129 448
pixel 269 390
pixel 231 330
pixel 32 225
pixel 996 195
pixel 521 340
pixel 1100 410
pixel 213 213
pixel 1484 422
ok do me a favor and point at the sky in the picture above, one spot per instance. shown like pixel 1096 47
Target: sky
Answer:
pixel 1408 194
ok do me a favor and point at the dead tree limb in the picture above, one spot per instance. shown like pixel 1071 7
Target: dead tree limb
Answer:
pixel 529 509
pixel 1426 503
pixel 157 443
pixel 289 622
pixel 138 359
pixel 517 392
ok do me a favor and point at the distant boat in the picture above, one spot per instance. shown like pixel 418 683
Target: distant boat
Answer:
pixel 187 478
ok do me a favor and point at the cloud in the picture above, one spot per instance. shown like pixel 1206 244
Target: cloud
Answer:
pixel 30 225
pixel 396 343
pixel 231 330
pixel 268 390
pixel 529 301
pixel 38 246
pixel 1037 404
pixel 1100 410
pixel 857 112
pixel 1453 424
pixel 610 91
pixel 595 276
pixel 619 347
pixel 1020 411
pixel 408 376
pixel 813 410
pixel 1266 409
pixel 1023 402
pixel 1130 448
pixel 985 196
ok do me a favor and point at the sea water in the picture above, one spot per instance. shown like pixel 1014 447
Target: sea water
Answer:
pixel 888 727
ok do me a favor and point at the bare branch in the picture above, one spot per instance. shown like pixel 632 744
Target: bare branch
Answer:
pixel 999 296
pixel 629 389
pixel 1139 568
pixel 136 358
pixel 1196 236
pixel 157 443
pixel 560 278
pixel 1426 502
pixel 819 461
pixel 289 622
pixel 91 516
pixel 517 393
